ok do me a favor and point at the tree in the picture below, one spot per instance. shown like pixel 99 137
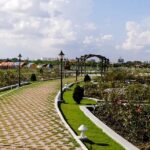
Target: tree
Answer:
pixel 78 94
pixel 33 77
pixel 87 78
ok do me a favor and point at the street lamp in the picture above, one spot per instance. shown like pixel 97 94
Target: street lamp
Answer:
pixel 19 68
pixel 61 77
pixel 77 68
pixel 81 59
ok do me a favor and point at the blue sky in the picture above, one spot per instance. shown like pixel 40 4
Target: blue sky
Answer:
pixel 117 12
pixel 41 28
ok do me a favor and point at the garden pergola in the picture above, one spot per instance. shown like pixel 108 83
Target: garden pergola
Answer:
pixel 81 63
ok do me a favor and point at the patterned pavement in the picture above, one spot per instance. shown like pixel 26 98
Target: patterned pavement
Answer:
pixel 29 121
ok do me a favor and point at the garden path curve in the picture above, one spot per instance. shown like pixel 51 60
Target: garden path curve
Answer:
pixel 29 121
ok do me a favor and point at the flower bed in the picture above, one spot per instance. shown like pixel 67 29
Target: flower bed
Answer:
pixel 125 107
pixel 129 120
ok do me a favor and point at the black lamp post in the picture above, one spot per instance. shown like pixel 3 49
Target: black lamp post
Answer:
pixel 19 68
pixel 77 68
pixel 81 65
pixel 61 75
pixel 84 66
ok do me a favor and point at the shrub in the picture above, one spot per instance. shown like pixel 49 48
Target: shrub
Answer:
pixel 33 77
pixel 129 120
pixel 41 71
pixel 137 93
pixel 87 78
pixel 78 94
pixel 91 90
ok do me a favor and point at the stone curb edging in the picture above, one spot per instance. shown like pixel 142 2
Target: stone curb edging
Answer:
pixel 8 92
pixel 94 99
pixel 57 102
pixel 111 133
pixel 13 86
pixel 14 89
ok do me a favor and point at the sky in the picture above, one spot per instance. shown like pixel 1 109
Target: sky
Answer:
pixel 41 28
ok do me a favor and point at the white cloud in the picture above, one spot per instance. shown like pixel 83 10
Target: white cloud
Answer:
pixel 90 26
pixel 107 37
pixel 138 36
pixel 99 40
pixel 44 26
pixel 88 40
pixel 16 5
pixel 59 32
pixel 25 20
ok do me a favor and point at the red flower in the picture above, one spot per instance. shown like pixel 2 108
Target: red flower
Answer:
pixel 139 109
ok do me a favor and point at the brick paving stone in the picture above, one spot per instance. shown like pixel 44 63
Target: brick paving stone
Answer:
pixel 29 121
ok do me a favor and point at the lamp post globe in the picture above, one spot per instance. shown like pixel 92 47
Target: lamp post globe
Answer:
pixel 61 54
pixel 19 70
pixel 19 56
pixel 61 75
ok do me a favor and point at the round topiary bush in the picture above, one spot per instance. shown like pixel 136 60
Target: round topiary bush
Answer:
pixel 87 78
pixel 78 94
pixel 33 77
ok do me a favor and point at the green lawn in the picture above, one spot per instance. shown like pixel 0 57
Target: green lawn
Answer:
pixel 75 117
pixel 3 92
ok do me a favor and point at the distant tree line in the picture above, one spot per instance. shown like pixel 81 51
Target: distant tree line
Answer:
pixel 133 64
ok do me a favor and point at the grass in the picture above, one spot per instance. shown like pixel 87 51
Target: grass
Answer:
pixel 4 92
pixel 75 117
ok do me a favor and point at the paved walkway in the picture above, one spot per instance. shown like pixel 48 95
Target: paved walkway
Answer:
pixel 29 121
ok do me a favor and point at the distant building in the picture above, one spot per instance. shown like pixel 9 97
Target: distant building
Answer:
pixel 120 60
pixel 39 66
pixel 7 65
pixel 49 66
pixel 48 59
pixel 11 65
pixel 32 66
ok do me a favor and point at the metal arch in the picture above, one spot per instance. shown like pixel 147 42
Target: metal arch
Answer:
pixel 104 62
pixel 93 55
pixel 82 59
